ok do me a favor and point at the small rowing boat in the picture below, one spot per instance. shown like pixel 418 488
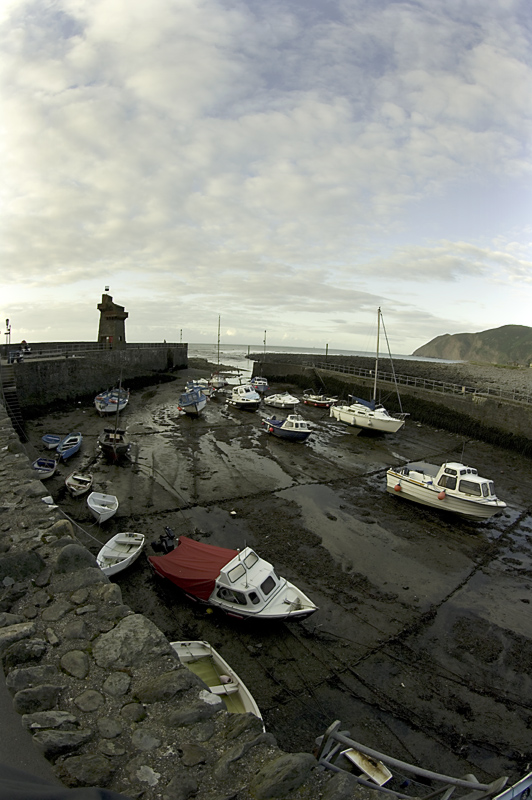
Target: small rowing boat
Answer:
pixel 120 552
pixel 78 483
pixel 102 506
pixel 204 661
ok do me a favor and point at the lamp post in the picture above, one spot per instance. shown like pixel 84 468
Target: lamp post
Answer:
pixel 8 332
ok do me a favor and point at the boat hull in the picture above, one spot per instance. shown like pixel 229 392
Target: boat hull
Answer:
pixel 288 435
pixel 69 446
pixel 78 483
pixel 243 405
pixel 433 497
pixel 205 662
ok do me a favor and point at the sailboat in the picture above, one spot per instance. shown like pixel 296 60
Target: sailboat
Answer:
pixel 218 380
pixel 113 442
pixel 368 414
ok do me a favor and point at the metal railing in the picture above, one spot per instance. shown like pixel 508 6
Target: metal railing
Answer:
pixel 335 744
pixel 443 387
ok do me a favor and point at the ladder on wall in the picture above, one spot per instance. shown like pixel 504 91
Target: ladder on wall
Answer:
pixel 8 388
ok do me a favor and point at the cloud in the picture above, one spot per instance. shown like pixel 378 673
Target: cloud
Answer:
pixel 252 153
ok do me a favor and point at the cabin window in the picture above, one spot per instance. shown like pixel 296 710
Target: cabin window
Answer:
pixel 268 585
pixel 492 487
pixel 255 599
pixel 251 559
pixel 231 596
pixel 449 471
pixel 485 489
pixel 236 573
pixel 447 482
pixel 468 487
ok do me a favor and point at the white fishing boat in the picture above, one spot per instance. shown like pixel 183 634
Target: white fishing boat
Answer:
pixel 240 583
pixel 202 384
pixel 204 661
pixel 120 552
pixel 79 483
pixel 102 506
pixel 451 487
pixel 281 400
pixel 244 397
pixel 368 414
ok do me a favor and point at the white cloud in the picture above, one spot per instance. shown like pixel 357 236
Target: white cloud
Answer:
pixel 255 153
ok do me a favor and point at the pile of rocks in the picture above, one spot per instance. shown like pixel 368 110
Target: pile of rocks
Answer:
pixel 100 688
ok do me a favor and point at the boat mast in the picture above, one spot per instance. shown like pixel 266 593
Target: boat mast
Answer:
pixel 218 342
pixel 377 355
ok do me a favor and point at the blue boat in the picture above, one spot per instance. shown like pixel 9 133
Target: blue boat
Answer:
pixel 294 428
pixel 70 445
pixel 44 467
pixel 192 402
pixel 52 440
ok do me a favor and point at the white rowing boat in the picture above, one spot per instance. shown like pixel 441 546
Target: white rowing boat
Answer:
pixel 102 506
pixel 120 552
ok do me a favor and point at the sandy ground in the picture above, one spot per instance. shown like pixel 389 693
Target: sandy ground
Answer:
pixel 422 644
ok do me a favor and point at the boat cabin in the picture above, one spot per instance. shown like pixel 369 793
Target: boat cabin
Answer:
pixel 295 422
pixel 466 480
pixel 247 580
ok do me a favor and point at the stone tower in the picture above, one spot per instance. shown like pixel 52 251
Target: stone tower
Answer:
pixel 112 330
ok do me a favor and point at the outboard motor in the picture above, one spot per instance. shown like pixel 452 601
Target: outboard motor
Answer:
pixel 166 542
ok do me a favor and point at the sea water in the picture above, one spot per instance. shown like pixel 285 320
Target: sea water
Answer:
pixel 236 355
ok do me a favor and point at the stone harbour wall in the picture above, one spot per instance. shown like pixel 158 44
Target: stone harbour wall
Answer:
pixel 100 688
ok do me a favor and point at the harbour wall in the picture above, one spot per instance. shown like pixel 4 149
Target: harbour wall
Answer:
pixel 469 409
pixel 65 371
pixel 99 687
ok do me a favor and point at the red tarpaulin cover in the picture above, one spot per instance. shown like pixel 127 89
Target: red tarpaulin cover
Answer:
pixel 193 566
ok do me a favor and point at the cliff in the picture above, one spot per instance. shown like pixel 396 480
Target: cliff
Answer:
pixel 510 344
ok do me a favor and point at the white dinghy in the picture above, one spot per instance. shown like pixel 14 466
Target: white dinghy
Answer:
pixel 204 661
pixel 102 506
pixel 120 552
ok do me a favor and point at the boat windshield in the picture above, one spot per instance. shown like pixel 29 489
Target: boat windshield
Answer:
pixel 237 572
pixel 251 559
pixel 469 487
pixel 268 585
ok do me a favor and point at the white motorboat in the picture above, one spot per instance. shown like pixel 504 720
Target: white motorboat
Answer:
pixel 451 487
pixel 281 400
pixel 204 386
pixel 204 661
pixel 102 506
pixel 120 552
pixel 244 397
pixel 79 483
pixel 368 414
pixel 240 583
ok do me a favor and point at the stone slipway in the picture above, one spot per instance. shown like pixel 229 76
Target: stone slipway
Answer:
pixel 99 688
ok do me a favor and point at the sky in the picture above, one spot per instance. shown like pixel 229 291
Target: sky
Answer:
pixel 286 165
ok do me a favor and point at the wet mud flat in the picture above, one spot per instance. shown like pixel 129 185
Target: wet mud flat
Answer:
pixel 422 645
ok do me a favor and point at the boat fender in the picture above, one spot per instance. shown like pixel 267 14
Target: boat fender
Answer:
pixel 271 428
pixel 225 679
pixel 441 496
pixel 397 487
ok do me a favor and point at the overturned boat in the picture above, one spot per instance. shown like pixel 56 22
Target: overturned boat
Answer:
pixel 451 487
pixel 240 583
